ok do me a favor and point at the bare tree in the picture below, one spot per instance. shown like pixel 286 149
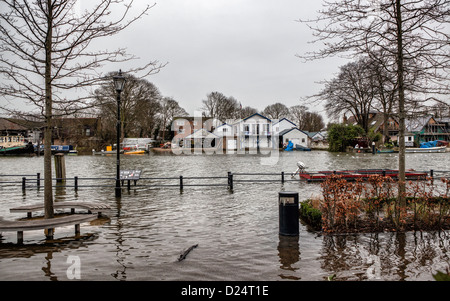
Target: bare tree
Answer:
pixel 220 107
pixel 408 30
pixel 385 83
pixel 351 91
pixel 276 111
pixel 170 108
pixel 140 105
pixel 305 120
pixel 45 51
pixel 246 112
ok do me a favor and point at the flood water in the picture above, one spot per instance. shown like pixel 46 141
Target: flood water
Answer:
pixel 237 232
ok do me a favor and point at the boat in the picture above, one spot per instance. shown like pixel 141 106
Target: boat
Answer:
pixel 436 146
pixel 73 152
pixel 17 150
pixel 15 145
pixel 386 150
pixel 437 149
pixel 362 174
pixel 55 149
pixel 108 151
pixel 135 152
pixel 302 148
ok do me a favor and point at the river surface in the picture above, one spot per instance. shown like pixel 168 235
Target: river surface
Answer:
pixel 237 232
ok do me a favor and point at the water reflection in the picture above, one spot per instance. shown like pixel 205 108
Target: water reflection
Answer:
pixel 289 253
pixel 386 256
pixel 120 274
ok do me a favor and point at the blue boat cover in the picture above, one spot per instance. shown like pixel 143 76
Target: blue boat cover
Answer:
pixel 290 146
pixel 428 144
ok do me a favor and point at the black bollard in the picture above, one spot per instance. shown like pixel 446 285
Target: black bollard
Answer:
pixel 288 213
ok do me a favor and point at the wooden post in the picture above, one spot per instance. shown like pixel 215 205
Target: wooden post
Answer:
pixel 49 233
pixel 181 182
pixel 129 184
pixel 24 183
pixel 60 168
pixel 76 183
pixel 19 237
pixel 38 182
pixel 77 229
pixel 282 177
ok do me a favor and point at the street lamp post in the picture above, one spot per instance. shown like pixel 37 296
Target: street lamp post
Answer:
pixel 119 83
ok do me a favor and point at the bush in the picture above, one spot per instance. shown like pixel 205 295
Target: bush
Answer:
pixel 311 215
pixel 340 136
pixel 374 206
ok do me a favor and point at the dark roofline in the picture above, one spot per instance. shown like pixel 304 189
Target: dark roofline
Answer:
pixel 288 130
pixel 284 118
pixel 258 115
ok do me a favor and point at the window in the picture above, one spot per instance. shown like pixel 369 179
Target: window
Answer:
pixel 88 132
pixel 303 140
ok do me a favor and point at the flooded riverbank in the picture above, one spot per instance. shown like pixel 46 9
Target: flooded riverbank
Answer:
pixel 236 231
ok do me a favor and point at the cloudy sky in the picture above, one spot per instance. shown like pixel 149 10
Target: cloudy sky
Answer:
pixel 241 48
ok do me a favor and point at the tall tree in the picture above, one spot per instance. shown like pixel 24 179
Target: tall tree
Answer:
pixel 306 120
pixel 45 51
pixel 406 30
pixel 140 105
pixel 246 112
pixel 351 91
pixel 220 107
pixel 170 108
pixel 276 111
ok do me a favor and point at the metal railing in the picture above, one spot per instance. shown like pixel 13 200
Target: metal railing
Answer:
pixel 35 181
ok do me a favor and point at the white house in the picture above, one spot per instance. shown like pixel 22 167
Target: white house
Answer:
pixel 225 132
pixel 283 124
pixel 296 136
pixel 254 131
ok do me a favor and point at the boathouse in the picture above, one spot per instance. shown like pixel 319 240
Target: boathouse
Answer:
pixel 296 136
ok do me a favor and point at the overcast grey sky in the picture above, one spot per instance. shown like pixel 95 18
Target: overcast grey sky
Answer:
pixel 241 48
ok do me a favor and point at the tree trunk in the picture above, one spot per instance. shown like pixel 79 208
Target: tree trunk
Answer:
pixel 48 193
pixel 385 125
pixel 401 105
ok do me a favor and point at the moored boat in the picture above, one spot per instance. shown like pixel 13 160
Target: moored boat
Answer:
pixel 135 152
pixel 437 149
pixel 17 150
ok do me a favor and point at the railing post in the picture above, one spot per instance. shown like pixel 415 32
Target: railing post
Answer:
pixel 38 180
pixel 282 177
pixel 76 183
pixel 181 182
pixel 129 185
pixel 230 180
pixel 23 183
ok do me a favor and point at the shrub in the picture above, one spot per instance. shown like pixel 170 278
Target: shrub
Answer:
pixel 312 216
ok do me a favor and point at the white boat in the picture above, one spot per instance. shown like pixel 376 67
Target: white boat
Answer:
pixel 437 149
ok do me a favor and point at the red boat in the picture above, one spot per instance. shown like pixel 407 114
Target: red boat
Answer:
pixel 360 174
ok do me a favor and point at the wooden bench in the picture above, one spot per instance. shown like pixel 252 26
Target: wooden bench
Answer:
pixel 48 224
pixel 90 207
